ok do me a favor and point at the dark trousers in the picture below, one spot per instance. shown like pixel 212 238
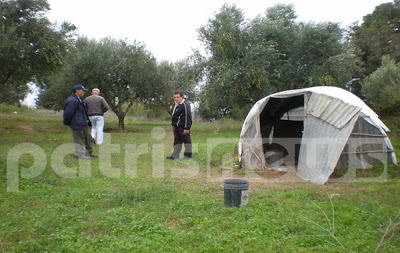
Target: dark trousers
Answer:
pixel 180 138
pixel 82 137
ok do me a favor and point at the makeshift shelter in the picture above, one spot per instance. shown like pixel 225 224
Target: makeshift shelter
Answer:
pixel 316 130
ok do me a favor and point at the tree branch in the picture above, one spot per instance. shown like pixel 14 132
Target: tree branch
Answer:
pixel 129 107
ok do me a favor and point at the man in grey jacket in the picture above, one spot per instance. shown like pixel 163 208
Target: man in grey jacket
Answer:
pixel 96 107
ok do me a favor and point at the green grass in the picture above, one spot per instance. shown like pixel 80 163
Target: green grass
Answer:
pixel 179 209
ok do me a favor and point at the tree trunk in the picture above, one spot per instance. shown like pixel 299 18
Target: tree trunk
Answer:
pixel 120 114
pixel 121 123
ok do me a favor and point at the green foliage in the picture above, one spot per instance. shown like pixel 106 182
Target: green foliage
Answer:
pixel 379 35
pixel 6 108
pixel 31 48
pixel 143 111
pixel 249 60
pixel 382 87
pixel 226 88
pixel 182 75
pixel 123 72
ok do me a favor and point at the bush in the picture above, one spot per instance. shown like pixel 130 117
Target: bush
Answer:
pixel 382 87
pixel 6 108
pixel 142 111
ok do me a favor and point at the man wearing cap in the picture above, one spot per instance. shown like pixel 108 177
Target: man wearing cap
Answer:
pixel 75 116
pixel 96 106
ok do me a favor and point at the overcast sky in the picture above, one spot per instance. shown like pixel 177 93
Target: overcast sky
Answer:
pixel 168 28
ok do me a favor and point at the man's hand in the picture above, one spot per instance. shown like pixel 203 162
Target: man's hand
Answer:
pixel 172 128
pixel 186 131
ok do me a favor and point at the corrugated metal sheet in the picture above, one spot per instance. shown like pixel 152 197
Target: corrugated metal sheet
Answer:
pixel 332 110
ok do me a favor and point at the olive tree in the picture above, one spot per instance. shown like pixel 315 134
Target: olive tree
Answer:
pixel 382 87
pixel 248 60
pixel 31 48
pixel 125 73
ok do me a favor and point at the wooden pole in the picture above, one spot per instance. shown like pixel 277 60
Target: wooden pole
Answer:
pixel 369 135
pixel 367 152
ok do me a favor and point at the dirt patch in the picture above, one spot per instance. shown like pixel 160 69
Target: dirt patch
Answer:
pixel 268 179
pixel 30 129
pixel 113 130
pixel 25 128
pixel 50 129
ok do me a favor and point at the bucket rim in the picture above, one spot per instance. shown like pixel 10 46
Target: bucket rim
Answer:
pixel 236 181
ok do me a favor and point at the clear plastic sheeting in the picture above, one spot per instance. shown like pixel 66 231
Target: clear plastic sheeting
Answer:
pixel 253 156
pixel 250 130
pixel 386 140
pixel 365 146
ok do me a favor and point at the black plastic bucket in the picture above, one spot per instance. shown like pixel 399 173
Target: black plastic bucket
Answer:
pixel 236 192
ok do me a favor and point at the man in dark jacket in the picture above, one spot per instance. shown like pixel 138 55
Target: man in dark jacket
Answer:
pixel 75 116
pixel 180 125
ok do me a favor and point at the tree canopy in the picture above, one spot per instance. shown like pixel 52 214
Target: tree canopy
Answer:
pixel 124 72
pixel 249 60
pixel 182 75
pixel 379 35
pixel 31 48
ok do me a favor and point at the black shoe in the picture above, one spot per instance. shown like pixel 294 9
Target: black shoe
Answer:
pixel 92 155
pixel 170 158
pixel 185 158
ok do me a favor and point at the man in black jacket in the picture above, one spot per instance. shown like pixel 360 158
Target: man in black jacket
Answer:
pixel 75 116
pixel 180 125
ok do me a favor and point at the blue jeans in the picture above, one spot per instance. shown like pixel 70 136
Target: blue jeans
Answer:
pixel 97 128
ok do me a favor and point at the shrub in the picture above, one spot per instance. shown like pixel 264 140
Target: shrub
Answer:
pixel 147 111
pixel 6 108
pixel 382 87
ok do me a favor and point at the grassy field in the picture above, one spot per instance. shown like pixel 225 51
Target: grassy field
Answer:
pixel 133 200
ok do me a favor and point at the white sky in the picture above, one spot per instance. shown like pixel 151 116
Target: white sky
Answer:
pixel 168 28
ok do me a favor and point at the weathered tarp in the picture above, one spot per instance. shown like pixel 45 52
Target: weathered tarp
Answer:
pixel 321 146
pixel 329 115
